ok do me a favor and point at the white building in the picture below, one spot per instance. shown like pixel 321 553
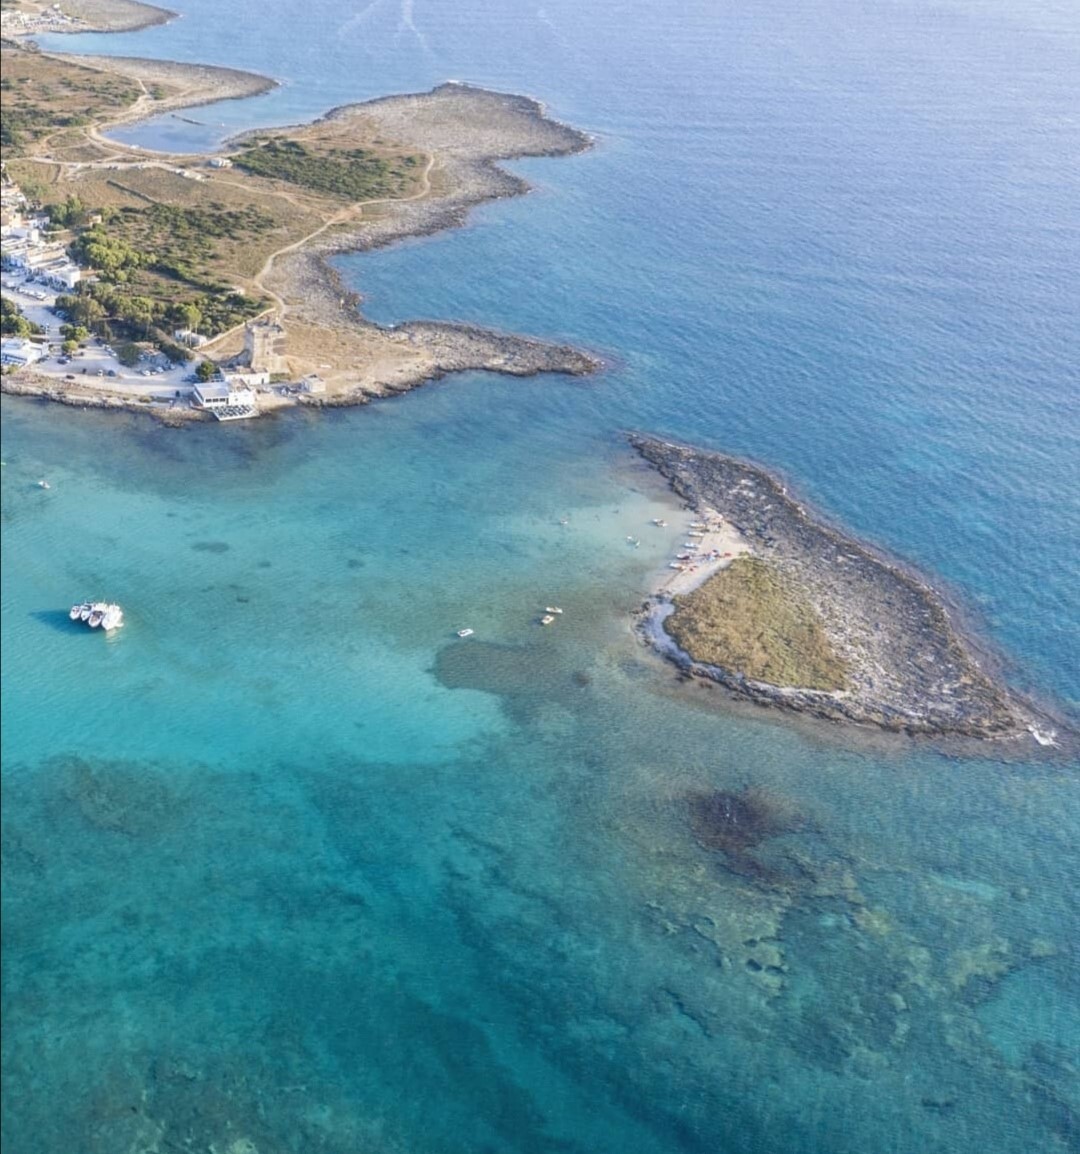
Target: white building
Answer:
pixel 189 337
pixel 246 379
pixel 314 385
pixel 21 352
pixel 21 231
pixel 224 401
pixel 63 274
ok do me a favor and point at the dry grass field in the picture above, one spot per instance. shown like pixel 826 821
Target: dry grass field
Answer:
pixel 42 94
pixel 749 620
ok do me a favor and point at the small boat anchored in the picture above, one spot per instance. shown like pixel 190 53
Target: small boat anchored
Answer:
pixel 547 619
pixel 43 484
pixel 552 609
pixel 98 614
pixel 465 632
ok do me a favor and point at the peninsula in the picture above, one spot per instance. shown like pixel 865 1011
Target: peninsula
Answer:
pixel 159 268
pixel 783 609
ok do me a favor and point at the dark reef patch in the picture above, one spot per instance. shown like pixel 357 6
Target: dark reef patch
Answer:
pixel 119 796
pixel 738 822
pixel 752 829
pixel 483 665
pixel 211 547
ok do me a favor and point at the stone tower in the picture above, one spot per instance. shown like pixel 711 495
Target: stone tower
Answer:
pixel 264 347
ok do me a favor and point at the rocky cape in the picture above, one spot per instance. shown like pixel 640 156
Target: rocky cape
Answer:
pixel 460 132
pixel 910 669
pixel 464 132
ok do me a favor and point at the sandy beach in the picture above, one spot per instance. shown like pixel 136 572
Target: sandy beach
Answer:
pixel 710 544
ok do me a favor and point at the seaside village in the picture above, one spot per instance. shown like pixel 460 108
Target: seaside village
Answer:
pixel 38 270
pixel 52 19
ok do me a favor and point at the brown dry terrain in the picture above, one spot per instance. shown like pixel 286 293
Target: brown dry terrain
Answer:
pixel 749 619
pixel 42 94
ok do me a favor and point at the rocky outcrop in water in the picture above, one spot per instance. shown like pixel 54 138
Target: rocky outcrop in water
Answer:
pixel 909 668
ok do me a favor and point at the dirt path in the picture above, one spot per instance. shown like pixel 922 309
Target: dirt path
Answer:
pixel 352 212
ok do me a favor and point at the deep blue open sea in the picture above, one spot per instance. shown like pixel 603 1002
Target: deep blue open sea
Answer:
pixel 289 868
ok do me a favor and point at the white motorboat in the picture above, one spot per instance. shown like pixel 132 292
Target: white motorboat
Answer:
pixel 465 632
pixel 552 609
pixel 113 618
pixel 547 619
pixel 98 614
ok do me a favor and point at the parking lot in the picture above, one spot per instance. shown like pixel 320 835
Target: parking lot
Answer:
pixel 95 360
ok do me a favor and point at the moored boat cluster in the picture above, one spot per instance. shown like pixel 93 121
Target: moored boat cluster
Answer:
pixel 98 613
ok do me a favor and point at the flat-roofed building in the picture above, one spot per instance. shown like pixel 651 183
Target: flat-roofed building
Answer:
pixel 20 352
pixel 224 401
pixel 246 379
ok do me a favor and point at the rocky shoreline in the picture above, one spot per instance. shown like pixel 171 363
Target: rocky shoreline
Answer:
pixel 27 383
pixel 910 669
pixel 189 85
pixel 466 132
pixel 463 132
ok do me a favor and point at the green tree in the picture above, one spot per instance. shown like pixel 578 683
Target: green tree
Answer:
pixel 69 346
pixel 12 321
pixel 206 370
pixel 128 354
pixel 81 309
pixel 69 214
pixel 190 316
pixel 138 312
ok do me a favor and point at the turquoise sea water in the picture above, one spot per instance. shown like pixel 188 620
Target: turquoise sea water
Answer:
pixel 288 867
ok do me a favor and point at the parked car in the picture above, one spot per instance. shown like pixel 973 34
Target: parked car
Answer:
pixel 112 372
pixel 69 376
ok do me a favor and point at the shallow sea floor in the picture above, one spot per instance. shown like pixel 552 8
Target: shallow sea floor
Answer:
pixel 289 866
pixel 286 861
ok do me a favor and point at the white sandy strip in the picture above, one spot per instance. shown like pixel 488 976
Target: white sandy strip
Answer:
pixel 718 546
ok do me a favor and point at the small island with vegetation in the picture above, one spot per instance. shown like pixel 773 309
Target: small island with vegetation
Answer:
pixel 786 610
pixel 162 264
